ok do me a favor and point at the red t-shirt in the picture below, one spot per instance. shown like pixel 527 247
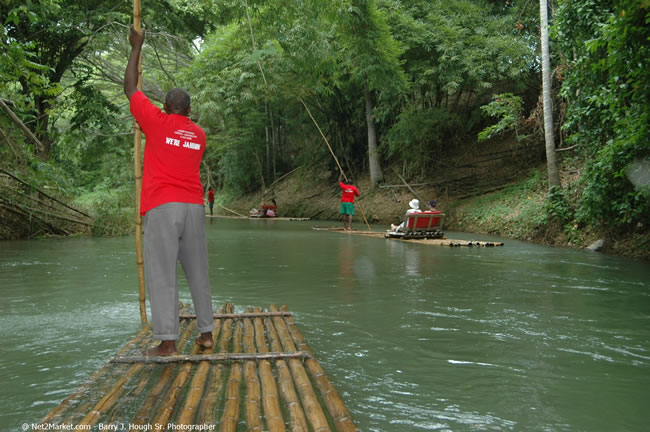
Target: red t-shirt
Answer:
pixel 349 192
pixel 210 196
pixel 172 156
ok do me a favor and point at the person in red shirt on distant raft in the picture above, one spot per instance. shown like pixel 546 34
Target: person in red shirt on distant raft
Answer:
pixel 211 200
pixel 173 208
pixel 347 203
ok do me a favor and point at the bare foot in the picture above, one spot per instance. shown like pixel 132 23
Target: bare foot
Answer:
pixel 205 340
pixel 166 348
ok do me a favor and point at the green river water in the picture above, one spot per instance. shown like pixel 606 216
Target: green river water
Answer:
pixel 521 337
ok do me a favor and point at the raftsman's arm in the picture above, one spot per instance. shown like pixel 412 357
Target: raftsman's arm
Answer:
pixel 136 39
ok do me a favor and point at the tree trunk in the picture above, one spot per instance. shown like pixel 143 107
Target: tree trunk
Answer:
pixel 274 145
pixel 376 174
pixel 268 145
pixel 553 174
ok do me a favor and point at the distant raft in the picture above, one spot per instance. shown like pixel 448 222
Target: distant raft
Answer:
pixel 260 375
pixel 436 242
pixel 283 218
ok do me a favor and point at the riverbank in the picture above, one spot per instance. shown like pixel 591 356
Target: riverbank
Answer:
pixel 516 209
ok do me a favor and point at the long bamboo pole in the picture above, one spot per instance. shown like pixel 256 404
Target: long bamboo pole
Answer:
pixel 410 188
pixel 230 417
pixel 297 419
pixel 173 393
pixel 193 398
pixel 212 358
pixel 314 411
pixel 21 125
pixel 142 417
pixel 253 389
pixel 231 211
pixel 335 158
pixel 207 410
pixel 270 396
pixel 240 315
pixel 333 401
pixel 137 166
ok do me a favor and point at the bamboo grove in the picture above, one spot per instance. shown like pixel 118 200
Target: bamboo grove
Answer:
pixel 398 83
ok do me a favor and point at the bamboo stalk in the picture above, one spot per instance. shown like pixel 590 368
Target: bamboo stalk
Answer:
pixel 43 193
pixel 96 376
pixel 332 399
pixel 231 211
pixel 137 167
pixel 24 195
pixel 270 396
pixel 31 210
pixel 110 398
pixel 19 158
pixel 253 391
pixel 409 187
pixel 297 420
pixel 230 416
pixel 207 412
pixel 142 417
pixel 309 399
pixel 161 419
pixel 193 398
pixel 147 374
pixel 240 315
pixel 21 125
pixel 118 409
pixel 117 372
pixel 164 413
pixel 144 374
pixel 195 392
pixel 212 358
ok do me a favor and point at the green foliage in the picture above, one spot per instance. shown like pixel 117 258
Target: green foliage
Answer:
pixel 557 206
pixel 42 39
pixel 429 65
pixel 420 137
pixel 607 85
pixel 517 210
pixel 112 208
pixel 507 108
pixel 90 131
pixel 456 50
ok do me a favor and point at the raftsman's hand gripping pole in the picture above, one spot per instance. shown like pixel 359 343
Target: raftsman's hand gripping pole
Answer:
pixel 137 165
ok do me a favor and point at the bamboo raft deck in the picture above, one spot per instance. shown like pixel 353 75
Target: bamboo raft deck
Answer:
pixel 260 375
pixel 283 218
pixel 436 242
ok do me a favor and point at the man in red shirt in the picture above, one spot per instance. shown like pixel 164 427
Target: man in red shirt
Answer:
pixel 347 203
pixel 211 200
pixel 173 208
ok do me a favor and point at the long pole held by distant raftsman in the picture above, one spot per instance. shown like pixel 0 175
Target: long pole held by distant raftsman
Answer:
pixel 137 165
pixel 335 159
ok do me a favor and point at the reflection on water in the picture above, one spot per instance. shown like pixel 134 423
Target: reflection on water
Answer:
pixel 415 337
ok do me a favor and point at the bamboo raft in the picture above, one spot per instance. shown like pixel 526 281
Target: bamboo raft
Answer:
pixel 436 242
pixel 261 218
pixel 260 375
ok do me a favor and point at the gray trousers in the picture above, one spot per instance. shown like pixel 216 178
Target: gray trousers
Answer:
pixel 175 232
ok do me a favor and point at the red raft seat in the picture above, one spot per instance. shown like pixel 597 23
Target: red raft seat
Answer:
pixel 423 225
